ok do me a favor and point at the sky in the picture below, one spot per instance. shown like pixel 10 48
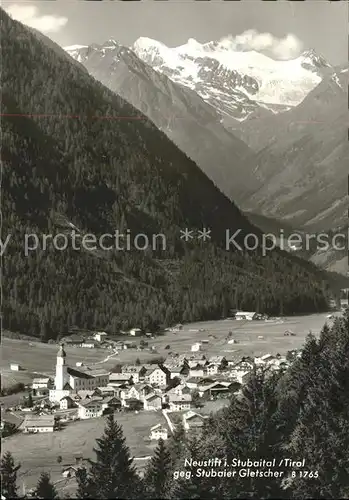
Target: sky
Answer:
pixel 281 29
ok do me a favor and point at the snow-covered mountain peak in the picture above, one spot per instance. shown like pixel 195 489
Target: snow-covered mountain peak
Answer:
pixel 311 60
pixel 70 48
pixel 111 43
pixel 144 44
pixel 225 70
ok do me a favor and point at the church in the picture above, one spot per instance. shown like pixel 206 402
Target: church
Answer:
pixel 68 380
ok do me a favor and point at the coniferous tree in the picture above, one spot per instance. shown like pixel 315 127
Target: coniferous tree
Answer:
pixel 112 474
pixel 158 478
pixel 83 484
pixel 194 486
pixel 321 435
pixel 9 476
pixel 44 488
pixel 177 444
pixel 30 400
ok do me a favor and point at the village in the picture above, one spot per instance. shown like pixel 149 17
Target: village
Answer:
pixel 178 382
pixel 181 383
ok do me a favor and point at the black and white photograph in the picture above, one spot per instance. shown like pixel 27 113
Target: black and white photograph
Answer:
pixel 174 249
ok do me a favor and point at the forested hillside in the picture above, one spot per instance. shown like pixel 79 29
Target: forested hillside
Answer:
pixel 73 152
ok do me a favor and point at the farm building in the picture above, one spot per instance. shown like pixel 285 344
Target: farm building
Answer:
pixel 38 423
pixel 42 383
pixel 243 315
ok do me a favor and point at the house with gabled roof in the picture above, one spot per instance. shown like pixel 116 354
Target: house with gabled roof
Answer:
pixel 38 423
pixel 179 403
pixel 67 402
pixel 152 401
pixel 118 379
pixel 180 371
pixel 179 390
pixel 197 370
pixel 157 376
pixel 90 408
pixel 193 421
pixel 136 371
pixel 157 432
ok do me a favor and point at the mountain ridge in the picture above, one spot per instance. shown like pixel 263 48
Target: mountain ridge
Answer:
pixel 219 71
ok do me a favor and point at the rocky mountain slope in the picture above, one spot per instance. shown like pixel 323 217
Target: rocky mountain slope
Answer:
pixel 72 166
pixel 303 159
pixel 327 249
pixel 180 112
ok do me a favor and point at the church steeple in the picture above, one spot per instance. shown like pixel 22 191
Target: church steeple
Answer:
pixel 61 369
pixel 61 353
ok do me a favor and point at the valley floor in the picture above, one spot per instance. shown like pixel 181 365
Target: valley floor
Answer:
pixel 36 358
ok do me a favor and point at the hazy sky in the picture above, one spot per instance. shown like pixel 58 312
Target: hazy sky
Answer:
pixel 284 27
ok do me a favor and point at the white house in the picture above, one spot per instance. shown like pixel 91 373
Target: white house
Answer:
pixel 241 376
pixel 14 367
pixel 157 432
pixel 156 376
pixel 152 402
pixel 66 402
pixel 179 403
pixel 38 423
pixel 100 336
pixel 135 332
pixel 90 408
pixel 131 392
pixel 244 315
pixel 265 359
pixel 212 369
pixel 196 347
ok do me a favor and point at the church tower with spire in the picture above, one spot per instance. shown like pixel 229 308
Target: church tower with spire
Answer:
pixel 61 369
